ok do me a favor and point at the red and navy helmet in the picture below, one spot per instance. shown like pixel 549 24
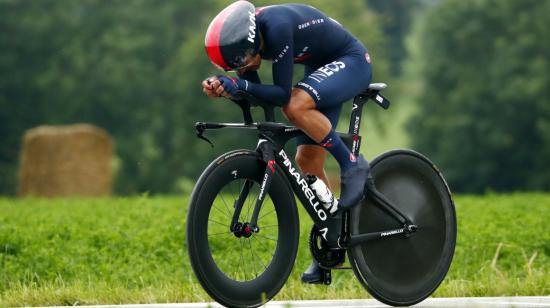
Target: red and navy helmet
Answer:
pixel 232 35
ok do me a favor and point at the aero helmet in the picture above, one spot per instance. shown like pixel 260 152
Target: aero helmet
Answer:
pixel 232 35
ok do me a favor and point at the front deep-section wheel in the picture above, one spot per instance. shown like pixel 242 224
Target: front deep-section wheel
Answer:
pixel 404 270
pixel 236 266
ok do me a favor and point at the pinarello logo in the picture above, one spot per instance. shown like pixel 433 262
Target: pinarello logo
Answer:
pixel 352 157
pixel 367 57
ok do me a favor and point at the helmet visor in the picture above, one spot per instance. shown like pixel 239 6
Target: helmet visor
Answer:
pixel 248 61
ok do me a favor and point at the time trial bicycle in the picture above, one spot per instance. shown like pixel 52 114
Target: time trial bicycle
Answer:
pixel 243 227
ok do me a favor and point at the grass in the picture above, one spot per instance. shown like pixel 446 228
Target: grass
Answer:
pixel 131 250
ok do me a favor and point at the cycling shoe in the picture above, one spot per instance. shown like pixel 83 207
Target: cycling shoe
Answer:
pixel 314 274
pixel 352 185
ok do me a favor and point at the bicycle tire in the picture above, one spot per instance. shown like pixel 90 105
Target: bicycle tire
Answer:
pixel 404 270
pixel 208 258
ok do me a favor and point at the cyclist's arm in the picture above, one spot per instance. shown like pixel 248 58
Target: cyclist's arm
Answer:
pixel 251 76
pixel 279 40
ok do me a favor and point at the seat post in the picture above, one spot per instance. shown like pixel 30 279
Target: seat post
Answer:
pixel 358 102
pixel 355 123
pixel 356 114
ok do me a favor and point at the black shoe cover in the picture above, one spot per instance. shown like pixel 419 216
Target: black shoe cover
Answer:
pixel 313 274
pixel 353 184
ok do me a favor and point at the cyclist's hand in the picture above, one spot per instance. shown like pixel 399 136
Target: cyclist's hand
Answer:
pixel 231 85
pixel 210 86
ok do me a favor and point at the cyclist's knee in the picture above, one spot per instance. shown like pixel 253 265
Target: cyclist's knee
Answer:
pixel 293 111
pixel 299 103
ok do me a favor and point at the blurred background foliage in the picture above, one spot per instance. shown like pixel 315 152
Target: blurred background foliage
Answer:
pixel 473 74
pixel 484 107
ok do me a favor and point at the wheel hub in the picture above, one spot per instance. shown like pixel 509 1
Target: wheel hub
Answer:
pixel 242 230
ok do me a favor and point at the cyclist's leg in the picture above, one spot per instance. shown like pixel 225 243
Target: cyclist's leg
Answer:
pixel 302 111
pixel 329 86
pixel 311 160
pixel 327 91
pixel 310 156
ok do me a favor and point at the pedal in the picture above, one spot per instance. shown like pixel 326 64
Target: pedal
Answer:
pixel 327 277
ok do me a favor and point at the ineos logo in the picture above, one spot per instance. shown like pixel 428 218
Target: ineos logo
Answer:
pixel 326 71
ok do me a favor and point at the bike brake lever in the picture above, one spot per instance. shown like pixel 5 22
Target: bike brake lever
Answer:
pixel 200 131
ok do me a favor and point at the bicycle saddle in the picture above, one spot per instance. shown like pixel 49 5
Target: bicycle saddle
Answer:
pixel 377 86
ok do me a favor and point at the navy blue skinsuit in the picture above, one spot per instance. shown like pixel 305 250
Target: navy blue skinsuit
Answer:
pixel 337 65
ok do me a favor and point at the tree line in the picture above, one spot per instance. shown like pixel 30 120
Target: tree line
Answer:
pixel 131 67
pixel 484 109
pixel 134 68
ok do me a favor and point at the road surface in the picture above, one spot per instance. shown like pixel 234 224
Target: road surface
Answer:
pixel 462 302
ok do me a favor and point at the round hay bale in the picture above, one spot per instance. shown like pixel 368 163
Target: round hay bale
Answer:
pixel 61 161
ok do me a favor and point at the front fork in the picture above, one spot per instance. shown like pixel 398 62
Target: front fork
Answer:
pixel 268 157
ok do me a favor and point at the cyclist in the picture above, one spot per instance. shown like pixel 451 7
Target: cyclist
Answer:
pixel 336 68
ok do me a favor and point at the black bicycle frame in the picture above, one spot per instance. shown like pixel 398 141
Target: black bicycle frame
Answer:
pixel 272 138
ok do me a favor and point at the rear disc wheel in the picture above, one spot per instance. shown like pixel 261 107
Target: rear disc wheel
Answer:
pixel 404 270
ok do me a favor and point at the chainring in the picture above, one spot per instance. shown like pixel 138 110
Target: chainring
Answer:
pixel 326 257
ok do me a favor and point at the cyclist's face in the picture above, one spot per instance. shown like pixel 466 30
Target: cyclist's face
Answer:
pixel 252 63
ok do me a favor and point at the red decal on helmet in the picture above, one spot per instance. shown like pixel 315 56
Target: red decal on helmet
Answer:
pixel 260 9
pixel 212 40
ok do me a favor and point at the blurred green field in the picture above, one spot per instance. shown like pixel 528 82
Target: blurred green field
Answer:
pixel 131 250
